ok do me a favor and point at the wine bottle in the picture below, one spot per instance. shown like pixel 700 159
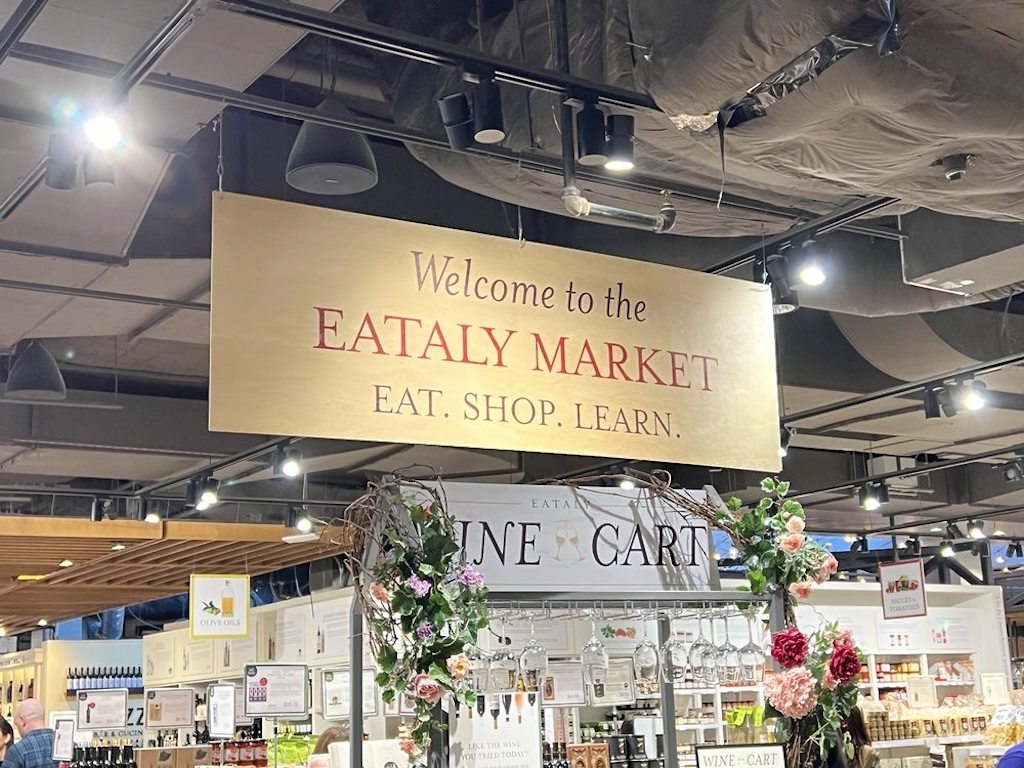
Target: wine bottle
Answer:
pixel 31 688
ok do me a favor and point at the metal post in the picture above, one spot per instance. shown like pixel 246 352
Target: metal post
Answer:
pixel 355 735
pixel 777 612
pixel 985 559
pixel 668 698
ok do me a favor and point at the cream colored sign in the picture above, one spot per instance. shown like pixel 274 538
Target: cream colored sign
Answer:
pixel 334 324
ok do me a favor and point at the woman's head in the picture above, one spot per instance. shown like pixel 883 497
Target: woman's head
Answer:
pixel 6 736
pixel 328 737
pixel 856 728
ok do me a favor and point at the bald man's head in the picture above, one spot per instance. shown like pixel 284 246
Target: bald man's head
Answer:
pixel 28 716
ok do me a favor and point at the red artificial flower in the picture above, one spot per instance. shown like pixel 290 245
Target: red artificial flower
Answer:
pixel 844 664
pixel 789 648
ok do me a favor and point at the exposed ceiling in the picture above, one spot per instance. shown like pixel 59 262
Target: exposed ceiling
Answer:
pixel 869 125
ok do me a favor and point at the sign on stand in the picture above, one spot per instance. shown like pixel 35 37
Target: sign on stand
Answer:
pixel 563 686
pixel 170 708
pixel 276 690
pixel 741 756
pixel 336 693
pixel 218 605
pixel 461 339
pixel 921 691
pixel 103 709
pixel 502 731
pixel 902 584
pixel 220 710
pixel 64 739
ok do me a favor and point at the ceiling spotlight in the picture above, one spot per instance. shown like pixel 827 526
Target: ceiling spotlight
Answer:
pixel 716 556
pixel 590 137
pixel 42 623
pixel 34 375
pixel 954 532
pixel 1016 549
pixel 785 435
pixel 65 563
pixel 733 553
pixel 96 510
pixel 998 532
pixel 860 544
pixel 868 497
pixel 457 118
pixel 304 524
pixel 619 146
pixel 62 156
pixel 784 298
pixel 932 409
pixel 211 492
pixel 976 529
pixel 627 484
pixel 118 546
pixel 973 395
pixel 488 123
pixel 914 546
pixel 152 518
pixel 102 131
pixel 811 274
pixel 1013 471
pixel 325 160
pixel 202 506
pixel 849 538
pixel 97 168
pixel 946 548
pixel 935 529
pixel 287 462
pixel 192 491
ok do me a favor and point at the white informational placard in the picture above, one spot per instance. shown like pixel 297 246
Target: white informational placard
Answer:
pixel 618 685
pixel 170 708
pixel 902 584
pixel 103 709
pixel 994 689
pixel 502 733
pixel 220 710
pixel 741 756
pixel 377 753
pixel 335 689
pixel 276 690
pixel 64 739
pixel 240 716
pixel 921 691
pixel 218 605
pixel 562 685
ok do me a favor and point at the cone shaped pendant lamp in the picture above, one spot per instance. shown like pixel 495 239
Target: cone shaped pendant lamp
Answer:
pixel 35 375
pixel 331 161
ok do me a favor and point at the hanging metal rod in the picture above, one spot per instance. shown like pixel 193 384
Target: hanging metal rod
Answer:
pixel 89 293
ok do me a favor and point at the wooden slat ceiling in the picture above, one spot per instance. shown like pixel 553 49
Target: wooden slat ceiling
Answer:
pixel 156 562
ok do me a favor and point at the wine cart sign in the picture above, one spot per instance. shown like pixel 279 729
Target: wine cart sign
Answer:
pixel 550 538
pixel 741 756
pixel 218 605
pixel 392 331
pixel 902 584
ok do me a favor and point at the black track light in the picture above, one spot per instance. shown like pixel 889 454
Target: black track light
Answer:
pixel 946 548
pixel 619 144
pixel 914 546
pixel 210 494
pixel 294 517
pixel 978 548
pixel 976 529
pixel 868 497
pixel 287 462
pixel 954 532
pixel 193 491
pixel 774 272
pixel 785 435
pixel 590 136
pixel 1013 471
pixel 488 122
pixel 973 395
pixel 96 510
pixel 882 489
pixel 98 167
pixel 62 161
pixel 291 517
pixel 1016 549
pixel 860 544
pixel 931 402
pixel 458 120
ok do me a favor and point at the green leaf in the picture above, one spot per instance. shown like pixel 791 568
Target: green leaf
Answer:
pixel 793 507
pixel 386 658
pixel 782 488
pixel 734 504
pixel 763 505
pixel 387 695
pixel 768 485
pixel 758 582
pixel 383 678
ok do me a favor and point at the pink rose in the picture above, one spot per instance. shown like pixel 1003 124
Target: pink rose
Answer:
pixel 410 747
pixel 378 592
pixel 791 543
pixel 827 567
pixel 828 682
pixel 427 688
pixel 458 666
pixel 795 524
pixel 801 590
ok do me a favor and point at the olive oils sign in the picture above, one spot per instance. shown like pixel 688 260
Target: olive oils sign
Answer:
pixel 335 324
pixel 218 605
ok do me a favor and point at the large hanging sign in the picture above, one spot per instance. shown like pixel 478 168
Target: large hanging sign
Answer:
pixel 902 583
pixel 553 538
pixel 218 605
pixel 334 324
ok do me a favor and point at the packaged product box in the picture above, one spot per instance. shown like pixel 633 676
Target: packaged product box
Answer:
pixel 917 761
pixel 578 756
pixel 156 757
pixel 193 756
pixel 600 756
pixel 890 762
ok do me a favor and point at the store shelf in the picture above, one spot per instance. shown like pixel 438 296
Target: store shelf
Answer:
pixel 898 743
pixel 740 688
pixel 955 682
pixel 698 726
pixel 131 692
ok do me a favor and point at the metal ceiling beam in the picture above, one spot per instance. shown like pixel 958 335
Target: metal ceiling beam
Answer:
pixel 17 25
pixel 127 77
pixel 376 37
pixel 54 252
pixel 89 293
pixel 97 67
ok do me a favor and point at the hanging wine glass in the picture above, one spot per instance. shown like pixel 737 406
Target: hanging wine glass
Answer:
pixel 751 654
pixel 594 658
pixel 504 667
pixel 533 660
pixel 674 658
pixel 702 656
pixel 727 656
pixel 645 662
pixel 479 668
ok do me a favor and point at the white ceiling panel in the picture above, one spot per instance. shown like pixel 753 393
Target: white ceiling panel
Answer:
pixel 99 464
pixel 185 325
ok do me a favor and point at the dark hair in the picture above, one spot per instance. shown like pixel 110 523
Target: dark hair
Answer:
pixel 330 736
pixel 5 730
pixel 857 729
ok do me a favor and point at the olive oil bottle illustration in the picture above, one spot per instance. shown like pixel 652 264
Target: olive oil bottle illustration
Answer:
pixel 227 601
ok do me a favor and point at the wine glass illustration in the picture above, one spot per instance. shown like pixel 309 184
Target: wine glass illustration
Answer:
pixel 560 536
pixel 574 539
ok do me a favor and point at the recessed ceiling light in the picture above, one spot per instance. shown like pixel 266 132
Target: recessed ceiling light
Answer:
pixel 42 623
pixel 30 576
pixel 998 532
pixel 151 517
pixel 117 546
pixel 65 563
pixel 936 529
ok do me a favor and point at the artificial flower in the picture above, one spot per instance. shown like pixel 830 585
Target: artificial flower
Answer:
pixel 828 682
pixel 427 688
pixel 410 747
pixel 801 590
pixel 470 577
pixel 791 692
pixel 420 587
pixel 423 631
pixel 458 666
pixel 380 592
pixel 427 511
pixel 828 566
pixel 845 637
pixel 795 524
pixel 791 543
pixel 844 664
pixel 789 647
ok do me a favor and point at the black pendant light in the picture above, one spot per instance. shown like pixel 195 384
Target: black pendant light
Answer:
pixel 35 375
pixel 331 161
pixel 488 123
pixel 590 139
pixel 458 120
pixel 619 148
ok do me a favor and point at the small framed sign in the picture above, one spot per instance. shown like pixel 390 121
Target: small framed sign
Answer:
pixel 902 586
pixel 64 739
pixel 276 690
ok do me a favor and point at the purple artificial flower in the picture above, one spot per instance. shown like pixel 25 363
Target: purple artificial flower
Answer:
pixel 424 631
pixel 419 586
pixel 470 578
